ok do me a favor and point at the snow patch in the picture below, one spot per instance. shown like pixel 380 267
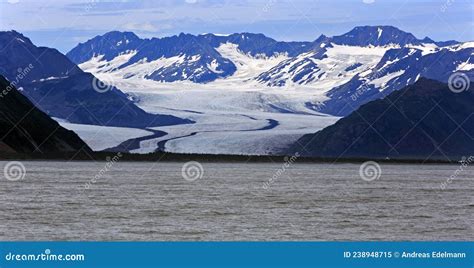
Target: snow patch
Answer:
pixel 329 72
pixel 465 66
pixel 213 67
pixel 425 48
pixel 382 81
pixel 247 67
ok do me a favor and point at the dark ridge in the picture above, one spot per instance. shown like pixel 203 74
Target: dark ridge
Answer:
pixel 26 129
pixel 423 121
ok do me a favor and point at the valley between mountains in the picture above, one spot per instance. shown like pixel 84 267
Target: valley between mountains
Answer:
pixel 244 93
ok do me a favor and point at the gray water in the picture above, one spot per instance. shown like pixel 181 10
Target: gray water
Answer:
pixel 235 201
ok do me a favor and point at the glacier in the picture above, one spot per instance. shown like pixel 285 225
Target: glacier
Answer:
pixel 260 95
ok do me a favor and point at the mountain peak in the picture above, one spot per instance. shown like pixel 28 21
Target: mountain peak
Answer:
pixel 427 40
pixel 14 35
pixel 182 35
pixel 381 35
pixel 109 44
pixel 239 38
pixel 369 27
pixel 121 34
pixel 114 37
pixel 321 38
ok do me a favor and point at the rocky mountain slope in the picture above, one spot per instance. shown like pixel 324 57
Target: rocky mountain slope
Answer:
pixel 60 88
pixel 26 129
pixel 425 120
pixel 345 71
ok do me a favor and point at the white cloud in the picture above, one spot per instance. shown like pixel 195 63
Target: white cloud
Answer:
pixel 144 27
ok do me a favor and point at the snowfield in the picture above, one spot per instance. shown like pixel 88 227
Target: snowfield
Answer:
pixel 339 65
pixel 235 115
pixel 100 138
pixel 229 119
pixel 250 94
pixel 238 114
pixel 262 108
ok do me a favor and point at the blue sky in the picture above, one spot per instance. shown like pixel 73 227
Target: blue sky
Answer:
pixel 64 23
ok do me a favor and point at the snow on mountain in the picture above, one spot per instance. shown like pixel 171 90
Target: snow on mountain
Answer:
pixel 247 66
pixel 229 119
pixel 323 64
pixel 329 66
pixel 258 45
pixel 404 125
pixel 49 78
pixel 110 45
pixel 176 58
pixel 232 115
pixel 376 36
pixel 334 61
pixel 98 64
pixel 398 68
pixel 183 57
pixel 251 94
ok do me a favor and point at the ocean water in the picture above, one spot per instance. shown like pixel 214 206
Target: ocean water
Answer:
pixel 146 201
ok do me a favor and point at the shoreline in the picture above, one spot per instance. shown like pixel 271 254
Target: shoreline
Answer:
pixel 216 158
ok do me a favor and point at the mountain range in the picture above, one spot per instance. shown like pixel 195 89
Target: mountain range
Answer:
pixel 61 89
pixel 426 120
pixel 351 69
pixel 247 93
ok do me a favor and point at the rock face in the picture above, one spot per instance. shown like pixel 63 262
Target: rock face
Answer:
pixel 376 36
pixel 188 57
pixel 425 120
pixel 400 67
pixel 26 129
pixel 364 64
pixel 60 88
